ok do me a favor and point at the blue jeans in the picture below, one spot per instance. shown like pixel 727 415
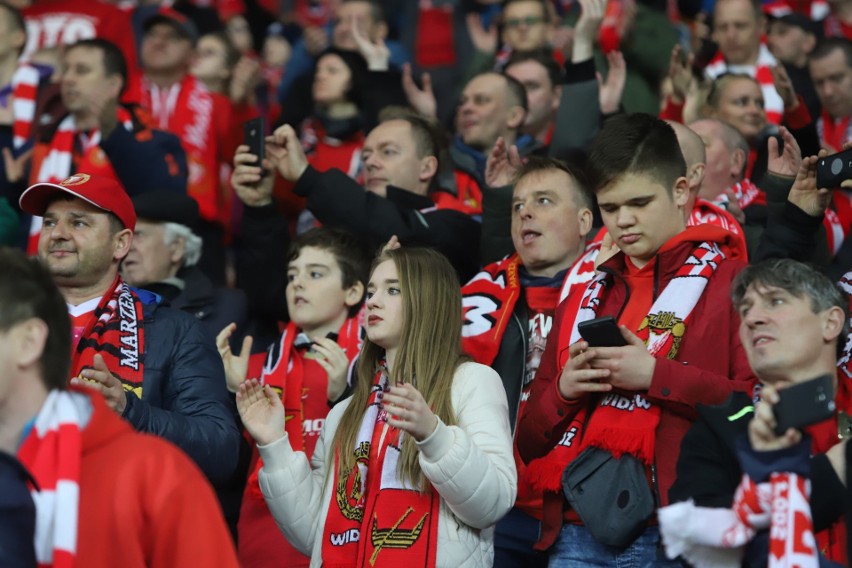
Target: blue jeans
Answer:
pixel 576 547
pixel 514 537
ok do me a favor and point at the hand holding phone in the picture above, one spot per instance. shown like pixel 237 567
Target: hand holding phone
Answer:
pixel 254 136
pixel 601 332
pixel 803 404
pixel 833 170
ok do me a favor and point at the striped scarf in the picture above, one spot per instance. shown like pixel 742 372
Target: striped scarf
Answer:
pixel 58 164
pixel 52 452
pixel 773 103
pixel 25 82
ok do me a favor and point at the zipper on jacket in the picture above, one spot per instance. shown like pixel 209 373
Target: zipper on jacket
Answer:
pixel 523 374
pixel 626 288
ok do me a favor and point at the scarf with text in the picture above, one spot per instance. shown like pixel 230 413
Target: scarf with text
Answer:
pixel 623 422
pixel 58 163
pixel 52 452
pixel 187 109
pixel 116 332
pixel 283 371
pixel 374 517
pixel 717 536
pixel 489 299
pixel 746 193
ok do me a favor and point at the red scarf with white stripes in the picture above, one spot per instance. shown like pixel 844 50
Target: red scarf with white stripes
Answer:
pixel 58 164
pixel 746 193
pixel 489 299
pixel 374 517
pixel 115 333
pixel 187 110
pixel 25 82
pixel 623 422
pixel 52 452
pixel 283 371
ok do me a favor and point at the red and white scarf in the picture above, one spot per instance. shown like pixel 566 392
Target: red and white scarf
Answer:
pixel 746 193
pixel 283 371
pixel 773 103
pixel 115 333
pixel 489 299
pixel 25 82
pixel 708 213
pixel 374 517
pixel 52 452
pixel 187 109
pixel 625 422
pixel 58 164
pixel 716 537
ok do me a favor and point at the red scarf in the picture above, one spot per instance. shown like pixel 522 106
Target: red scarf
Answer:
pixel 708 213
pixel 625 422
pixel 59 162
pixel 52 452
pixel 489 299
pixel 284 372
pixel 746 193
pixel 116 332
pixel 374 518
pixel 25 81
pixel 187 110
pixel 834 132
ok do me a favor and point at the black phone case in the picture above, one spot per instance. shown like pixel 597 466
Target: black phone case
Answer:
pixel 254 136
pixel 804 404
pixel 601 332
pixel 834 169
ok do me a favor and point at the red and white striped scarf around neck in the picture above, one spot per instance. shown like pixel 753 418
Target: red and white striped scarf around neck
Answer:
pixel 25 82
pixel 58 164
pixel 716 537
pixel 52 452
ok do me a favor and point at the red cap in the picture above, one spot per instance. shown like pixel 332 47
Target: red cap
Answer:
pixel 102 192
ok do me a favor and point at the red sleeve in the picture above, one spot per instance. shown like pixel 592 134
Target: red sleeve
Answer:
pixel 672 111
pixel 798 117
pixel 546 414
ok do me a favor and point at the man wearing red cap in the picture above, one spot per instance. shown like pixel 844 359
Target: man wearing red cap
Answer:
pixel 155 366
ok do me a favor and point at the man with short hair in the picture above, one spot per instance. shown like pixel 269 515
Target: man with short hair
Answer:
pixel 541 76
pixel 831 70
pixel 668 288
pixel 509 306
pixel 98 135
pixel 738 26
pixel 794 327
pixel 400 158
pixel 105 495
pixel 527 25
pixel 156 367
pixel 791 38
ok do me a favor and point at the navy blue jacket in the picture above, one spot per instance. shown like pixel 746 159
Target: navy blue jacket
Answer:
pixel 17 515
pixel 184 398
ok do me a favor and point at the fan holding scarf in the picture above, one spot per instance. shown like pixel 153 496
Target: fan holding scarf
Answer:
pixel 416 467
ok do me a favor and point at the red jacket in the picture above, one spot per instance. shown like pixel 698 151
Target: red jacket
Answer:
pixel 143 502
pixel 710 362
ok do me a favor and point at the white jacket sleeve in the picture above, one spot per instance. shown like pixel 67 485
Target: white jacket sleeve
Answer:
pixel 471 464
pixel 293 488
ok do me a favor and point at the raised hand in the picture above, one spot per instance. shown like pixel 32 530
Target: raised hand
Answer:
pixel 787 161
pixel 245 77
pixel 422 100
pixel 484 39
pixel 586 31
pixel 761 429
pixel 610 91
pixel 408 411
pixel 236 364
pixel 333 359
pixel 261 411
pixel 392 244
pixel 286 154
pixel 502 164
pixel 375 53
pixel 680 74
pixel 16 167
pixel 100 379
pixel 248 180
pixel 578 378
pixel 805 194
pixel 784 86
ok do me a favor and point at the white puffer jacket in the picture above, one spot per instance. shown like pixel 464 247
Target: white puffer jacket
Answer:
pixel 470 465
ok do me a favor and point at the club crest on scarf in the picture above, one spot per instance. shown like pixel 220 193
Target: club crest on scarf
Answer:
pixel 350 489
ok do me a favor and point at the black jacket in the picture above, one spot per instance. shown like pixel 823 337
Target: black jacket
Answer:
pixel 708 470
pixel 17 515
pixel 336 200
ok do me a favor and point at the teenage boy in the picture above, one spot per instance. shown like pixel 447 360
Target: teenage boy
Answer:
pixel 668 288
pixel 308 366
pixel 509 306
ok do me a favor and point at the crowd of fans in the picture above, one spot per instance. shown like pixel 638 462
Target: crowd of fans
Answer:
pixel 562 160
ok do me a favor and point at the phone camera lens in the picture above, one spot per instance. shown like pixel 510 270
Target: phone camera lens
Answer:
pixel 836 166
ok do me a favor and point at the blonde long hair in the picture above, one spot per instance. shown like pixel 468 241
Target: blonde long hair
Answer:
pixel 428 355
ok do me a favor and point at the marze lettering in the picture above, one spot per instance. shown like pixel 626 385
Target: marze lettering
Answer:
pixel 129 329
pixel 346 537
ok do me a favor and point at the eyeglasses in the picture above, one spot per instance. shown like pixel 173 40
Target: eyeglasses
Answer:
pixel 528 21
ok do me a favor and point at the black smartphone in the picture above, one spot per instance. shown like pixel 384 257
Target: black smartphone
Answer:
pixel 804 404
pixel 834 169
pixel 601 332
pixel 254 136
